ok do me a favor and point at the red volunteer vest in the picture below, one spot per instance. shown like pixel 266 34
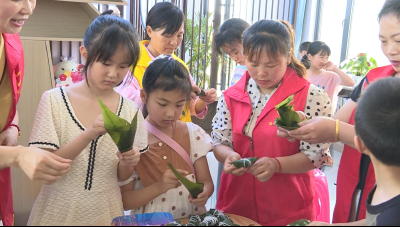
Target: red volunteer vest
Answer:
pixel 15 65
pixel 285 197
pixel 349 168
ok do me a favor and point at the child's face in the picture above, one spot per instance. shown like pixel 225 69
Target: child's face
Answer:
pixel 235 51
pixel 13 14
pixel 390 39
pixel 318 61
pixel 164 107
pixel 167 43
pixel 267 72
pixel 107 75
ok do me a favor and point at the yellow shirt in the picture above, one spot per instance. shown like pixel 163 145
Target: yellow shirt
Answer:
pixel 6 93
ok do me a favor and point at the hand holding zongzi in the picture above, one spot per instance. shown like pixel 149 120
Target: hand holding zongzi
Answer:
pixel 264 169
pixel 96 129
pixel 130 158
pixel 229 168
pixel 170 181
pixel 201 200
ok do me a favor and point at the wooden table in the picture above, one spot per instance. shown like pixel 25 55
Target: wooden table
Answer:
pixel 242 221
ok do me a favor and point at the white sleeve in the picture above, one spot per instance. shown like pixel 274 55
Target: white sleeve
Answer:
pixel 46 129
pixel 318 104
pixel 200 142
pixel 222 125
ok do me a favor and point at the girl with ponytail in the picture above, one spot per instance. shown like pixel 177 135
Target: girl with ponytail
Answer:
pixel 279 188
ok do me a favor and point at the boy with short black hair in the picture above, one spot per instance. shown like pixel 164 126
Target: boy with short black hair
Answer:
pixel 303 49
pixel 378 136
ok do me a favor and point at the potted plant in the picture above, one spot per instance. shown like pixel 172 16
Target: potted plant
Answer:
pixel 359 66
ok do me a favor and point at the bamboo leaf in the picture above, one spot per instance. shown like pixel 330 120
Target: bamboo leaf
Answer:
pixel 244 163
pixel 195 189
pixel 288 117
pixel 121 131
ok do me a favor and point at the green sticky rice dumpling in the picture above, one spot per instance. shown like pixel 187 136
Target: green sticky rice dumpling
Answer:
pixel 288 118
pixel 121 131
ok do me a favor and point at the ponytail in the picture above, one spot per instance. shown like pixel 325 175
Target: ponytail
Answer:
pixel 294 62
pixel 305 61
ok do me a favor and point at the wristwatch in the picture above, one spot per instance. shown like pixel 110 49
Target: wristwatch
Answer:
pixel 19 131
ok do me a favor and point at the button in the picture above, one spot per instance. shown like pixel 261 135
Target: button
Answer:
pixel 165 157
pixel 160 144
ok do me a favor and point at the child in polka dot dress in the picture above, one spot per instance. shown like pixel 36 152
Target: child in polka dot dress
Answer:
pixel 153 187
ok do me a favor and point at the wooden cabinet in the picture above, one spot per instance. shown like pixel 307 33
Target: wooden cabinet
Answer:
pixel 52 20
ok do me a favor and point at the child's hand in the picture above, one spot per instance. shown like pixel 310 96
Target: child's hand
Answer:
pixel 210 97
pixel 97 128
pixel 201 199
pixel 264 169
pixel 170 181
pixel 195 89
pixel 130 158
pixel 329 66
pixel 231 169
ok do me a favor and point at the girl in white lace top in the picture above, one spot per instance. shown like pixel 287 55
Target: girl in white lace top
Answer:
pixel 69 123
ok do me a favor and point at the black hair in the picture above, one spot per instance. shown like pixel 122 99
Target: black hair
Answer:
pixel 231 31
pixel 165 15
pixel 377 120
pixel 304 46
pixel 166 74
pixel 390 7
pixel 313 49
pixel 276 38
pixel 105 35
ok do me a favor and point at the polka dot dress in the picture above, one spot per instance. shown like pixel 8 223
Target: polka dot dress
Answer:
pixel 176 201
pixel 318 104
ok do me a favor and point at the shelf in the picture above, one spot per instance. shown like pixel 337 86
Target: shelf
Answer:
pixel 59 21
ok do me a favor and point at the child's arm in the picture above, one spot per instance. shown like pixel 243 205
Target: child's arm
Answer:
pixel 134 199
pixel 346 79
pixel 203 176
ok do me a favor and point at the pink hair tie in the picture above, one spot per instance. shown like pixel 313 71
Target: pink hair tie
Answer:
pixel 170 58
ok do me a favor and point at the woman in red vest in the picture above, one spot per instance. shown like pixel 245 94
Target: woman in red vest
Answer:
pixel 279 188
pixel 37 164
pixel 324 129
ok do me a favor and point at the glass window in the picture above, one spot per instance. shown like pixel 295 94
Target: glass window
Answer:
pixel 364 31
pixel 333 15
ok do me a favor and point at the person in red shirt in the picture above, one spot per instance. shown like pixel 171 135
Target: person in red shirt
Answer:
pixel 350 184
pixel 36 163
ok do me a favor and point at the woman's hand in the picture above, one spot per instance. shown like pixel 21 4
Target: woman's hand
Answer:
pixel 201 200
pixel 210 97
pixel 170 181
pixel 231 169
pixel 316 130
pixel 130 158
pixel 41 165
pixel 9 137
pixel 264 169
pixel 97 128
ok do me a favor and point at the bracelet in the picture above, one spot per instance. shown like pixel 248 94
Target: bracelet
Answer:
pixel 280 166
pixel 337 130
pixel 19 131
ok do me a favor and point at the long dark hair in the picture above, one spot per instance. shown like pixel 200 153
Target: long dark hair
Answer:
pixel 277 38
pixel 166 74
pixel 105 35
pixel 231 31
pixel 313 49
pixel 165 15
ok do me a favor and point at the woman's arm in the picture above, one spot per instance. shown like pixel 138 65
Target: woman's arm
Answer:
pixel 37 164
